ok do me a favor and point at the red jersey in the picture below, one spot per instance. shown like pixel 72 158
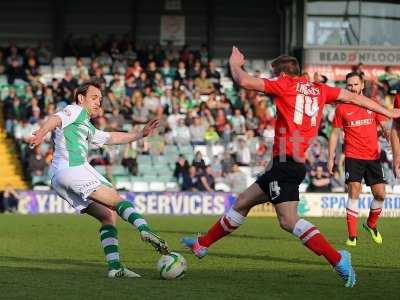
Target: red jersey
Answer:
pixel 299 105
pixel 397 100
pixel 360 130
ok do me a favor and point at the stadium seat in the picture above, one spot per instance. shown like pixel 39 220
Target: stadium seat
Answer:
pixel 144 159
pixel 396 189
pixel 258 64
pixel 140 186
pixel 58 61
pixel 366 189
pixel 217 150
pixel 127 127
pixel 157 186
pixel 86 61
pixel 44 70
pixel 123 182
pixel 163 170
pixel 303 187
pixel 159 160
pixel 146 169
pixel 119 170
pixel 222 187
pixel 101 170
pixel 69 61
pixel 172 186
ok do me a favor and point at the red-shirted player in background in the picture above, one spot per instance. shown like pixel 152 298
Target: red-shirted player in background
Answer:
pixel 395 139
pixel 361 149
pixel 299 106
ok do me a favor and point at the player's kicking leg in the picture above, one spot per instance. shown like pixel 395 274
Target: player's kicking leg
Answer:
pixel 378 190
pixel 109 240
pixel 109 196
pixel 311 237
pixel 227 223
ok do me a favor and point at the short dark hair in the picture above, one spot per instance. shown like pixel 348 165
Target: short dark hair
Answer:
pixel 84 87
pixel 354 74
pixel 287 64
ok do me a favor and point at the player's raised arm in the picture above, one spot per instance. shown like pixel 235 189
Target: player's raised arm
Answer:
pixel 349 97
pixel 127 137
pixel 37 136
pixel 241 77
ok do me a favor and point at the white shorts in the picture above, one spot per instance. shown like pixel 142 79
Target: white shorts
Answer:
pixel 75 184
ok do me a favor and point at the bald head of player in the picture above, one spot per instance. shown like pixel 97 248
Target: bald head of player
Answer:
pixel 88 95
pixel 354 83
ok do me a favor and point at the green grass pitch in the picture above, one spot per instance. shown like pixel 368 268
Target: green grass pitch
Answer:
pixel 59 257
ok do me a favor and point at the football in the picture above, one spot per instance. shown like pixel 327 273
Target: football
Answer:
pixel 172 266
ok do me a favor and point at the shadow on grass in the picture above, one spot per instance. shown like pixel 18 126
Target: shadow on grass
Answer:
pixel 37 283
pixel 241 236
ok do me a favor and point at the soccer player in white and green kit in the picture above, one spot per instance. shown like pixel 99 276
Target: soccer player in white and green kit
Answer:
pixel 76 181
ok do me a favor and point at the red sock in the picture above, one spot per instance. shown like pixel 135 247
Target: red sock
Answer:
pixel 316 242
pixel 220 229
pixel 373 217
pixel 351 218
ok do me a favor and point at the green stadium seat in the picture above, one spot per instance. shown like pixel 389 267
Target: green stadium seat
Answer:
pixel 101 170
pixel 144 159
pixel 119 170
pixel 163 170
pixel 146 169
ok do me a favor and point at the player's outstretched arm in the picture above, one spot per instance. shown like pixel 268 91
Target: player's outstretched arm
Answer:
pixel 395 141
pixel 236 62
pixel 127 137
pixel 349 97
pixel 332 148
pixel 38 135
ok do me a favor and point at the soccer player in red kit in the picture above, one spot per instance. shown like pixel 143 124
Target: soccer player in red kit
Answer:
pixel 299 110
pixel 362 154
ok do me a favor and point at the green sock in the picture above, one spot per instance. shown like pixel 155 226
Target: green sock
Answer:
pixel 109 242
pixel 126 211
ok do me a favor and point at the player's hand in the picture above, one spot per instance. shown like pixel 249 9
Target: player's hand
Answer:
pixel 330 167
pixel 150 127
pixel 36 139
pixel 395 113
pixel 237 58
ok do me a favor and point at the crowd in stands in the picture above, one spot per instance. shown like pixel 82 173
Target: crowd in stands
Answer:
pixel 212 134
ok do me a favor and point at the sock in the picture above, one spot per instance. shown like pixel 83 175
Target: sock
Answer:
pixel 224 226
pixel 109 242
pixel 351 217
pixel 374 213
pixel 126 211
pixel 315 241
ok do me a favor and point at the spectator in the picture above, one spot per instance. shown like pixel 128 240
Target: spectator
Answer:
pixel 181 134
pixel 198 131
pixel 243 155
pixel 181 167
pixel 37 163
pixel 211 135
pixel 10 199
pixel 198 161
pixel 237 179
pixel 227 163
pixel 206 181
pixel 320 182
pixel 190 180
pixel 238 122
pixel 203 84
pixel 129 159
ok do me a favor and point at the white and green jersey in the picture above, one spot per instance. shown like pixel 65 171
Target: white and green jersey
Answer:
pixel 71 141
